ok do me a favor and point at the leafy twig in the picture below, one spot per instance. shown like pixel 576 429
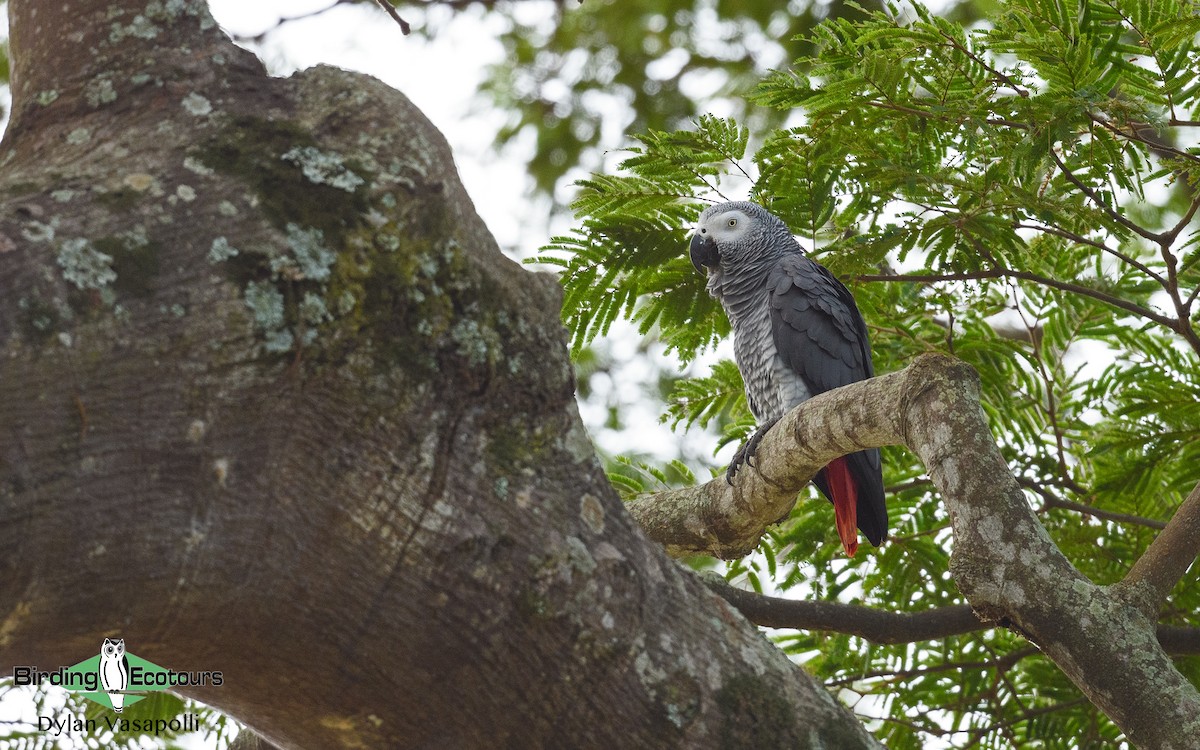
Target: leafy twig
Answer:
pixel 1002 273
pixel 1051 500
pixel 1000 75
pixel 1004 662
pixel 1112 213
pixel 1080 239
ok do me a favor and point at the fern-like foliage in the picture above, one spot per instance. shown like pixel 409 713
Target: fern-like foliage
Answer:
pixel 1020 194
pixel 632 477
pixel 626 259
pixel 717 399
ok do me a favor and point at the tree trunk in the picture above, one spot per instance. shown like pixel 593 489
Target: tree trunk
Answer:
pixel 273 403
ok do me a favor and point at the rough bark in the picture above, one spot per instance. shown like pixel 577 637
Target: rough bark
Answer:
pixel 1004 562
pixel 272 402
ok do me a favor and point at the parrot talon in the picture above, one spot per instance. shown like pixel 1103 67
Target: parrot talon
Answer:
pixel 745 454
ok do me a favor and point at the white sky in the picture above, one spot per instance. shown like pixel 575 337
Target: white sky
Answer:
pixel 440 75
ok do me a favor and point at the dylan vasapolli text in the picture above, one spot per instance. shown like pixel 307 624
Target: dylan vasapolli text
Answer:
pixel 73 724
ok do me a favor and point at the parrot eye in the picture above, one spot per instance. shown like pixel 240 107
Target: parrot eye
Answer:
pixel 732 223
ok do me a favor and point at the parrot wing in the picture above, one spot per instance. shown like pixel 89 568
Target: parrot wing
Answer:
pixel 821 337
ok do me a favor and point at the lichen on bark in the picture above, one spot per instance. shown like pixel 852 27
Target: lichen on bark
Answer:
pixel 290 400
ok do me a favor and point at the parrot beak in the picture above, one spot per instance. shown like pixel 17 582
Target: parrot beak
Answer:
pixel 704 252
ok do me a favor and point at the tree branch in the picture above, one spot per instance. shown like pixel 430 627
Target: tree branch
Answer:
pixel 1100 204
pixel 1053 501
pixel 874 625
pixel 279 22
pixel 1192 297
pixel 1167 558
pixel 1006 273
pixel 889 628
pixel 1081 240
pixel 1178 640
pixel 391 11
pixel 1003 562
pixel 1171 234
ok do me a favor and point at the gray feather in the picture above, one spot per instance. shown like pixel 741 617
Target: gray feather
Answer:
pixel 797 332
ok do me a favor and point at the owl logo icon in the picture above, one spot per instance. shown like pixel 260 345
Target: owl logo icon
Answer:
pixel 114 671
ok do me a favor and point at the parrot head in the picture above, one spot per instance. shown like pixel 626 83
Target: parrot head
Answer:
pixel 732 233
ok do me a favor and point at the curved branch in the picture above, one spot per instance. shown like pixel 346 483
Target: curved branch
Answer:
pixel 1004 562
pixel 874 625
pixel 889 628
pixel 1167 558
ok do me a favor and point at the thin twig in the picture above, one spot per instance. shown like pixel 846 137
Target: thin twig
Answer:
pixel 1162 149
pixel 1183 309
pixel 1052 501
pixel 1095 198
pixel 1191 300
pixel 1080 239
pixel 909 723
pixel 1004 662
pixel 892 489
pixel 1171 234
pixel 1002 273
pixel 944 118
pixel 1027 715
pixel 288 19
pixel 1050 408
pixel 391 11
pixel 999 74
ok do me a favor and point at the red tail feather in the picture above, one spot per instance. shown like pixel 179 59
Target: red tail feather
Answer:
pixel 845 503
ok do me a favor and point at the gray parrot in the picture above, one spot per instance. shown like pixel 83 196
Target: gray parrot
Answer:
pixel 796 333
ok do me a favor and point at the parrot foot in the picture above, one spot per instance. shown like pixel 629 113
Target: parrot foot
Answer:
pixel 745 454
